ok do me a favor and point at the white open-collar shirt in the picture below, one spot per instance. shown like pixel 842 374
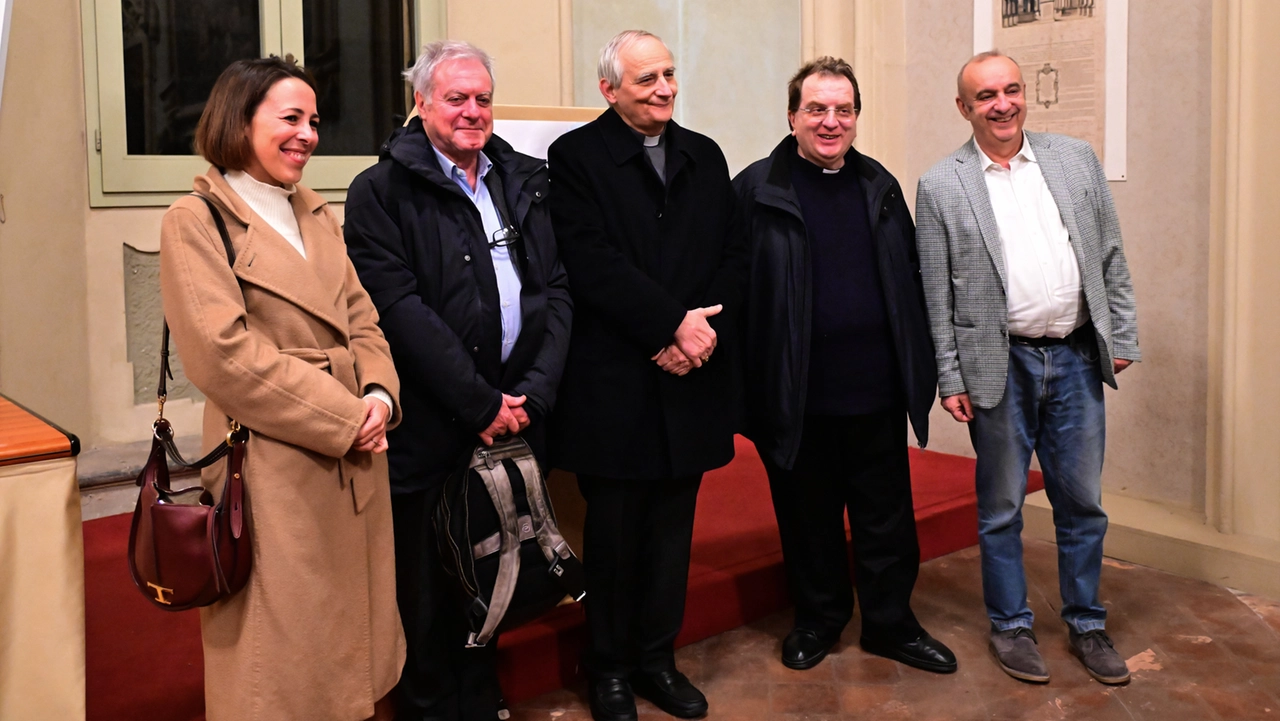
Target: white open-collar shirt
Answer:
pixel 1044 293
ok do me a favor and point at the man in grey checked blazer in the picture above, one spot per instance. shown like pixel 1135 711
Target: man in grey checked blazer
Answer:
pixel 1031 310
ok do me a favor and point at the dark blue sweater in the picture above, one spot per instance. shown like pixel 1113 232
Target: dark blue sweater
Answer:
pixel 851 359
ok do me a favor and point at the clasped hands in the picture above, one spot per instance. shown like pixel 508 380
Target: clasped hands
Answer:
pixel 695 341
pixel 511 419
pixel 372 436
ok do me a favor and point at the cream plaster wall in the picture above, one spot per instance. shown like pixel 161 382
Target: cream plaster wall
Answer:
pixel 1156 422
pixel 116 417
pixel 737 57
pixel 827 28
pixel 43 360
pixel 939 38
pixel 595 21
pixel 526 46
pixel 1159 452
pixel 737 97
pixel 1245 312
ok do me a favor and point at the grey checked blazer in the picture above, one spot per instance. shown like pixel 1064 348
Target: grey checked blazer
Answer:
pixel 963 264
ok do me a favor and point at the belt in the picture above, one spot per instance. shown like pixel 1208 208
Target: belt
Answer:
pixel 1045 341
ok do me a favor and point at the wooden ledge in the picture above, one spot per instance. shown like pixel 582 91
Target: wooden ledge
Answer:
pixel 26 437
pixel 554 113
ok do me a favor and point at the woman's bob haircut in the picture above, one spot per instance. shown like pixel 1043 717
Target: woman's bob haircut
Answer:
pixel 220 135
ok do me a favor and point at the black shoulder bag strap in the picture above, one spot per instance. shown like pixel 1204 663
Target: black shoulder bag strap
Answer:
pixel 493 181
pixel 163 431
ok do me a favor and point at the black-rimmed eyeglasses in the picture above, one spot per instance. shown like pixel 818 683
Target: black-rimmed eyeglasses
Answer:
pixel 504 237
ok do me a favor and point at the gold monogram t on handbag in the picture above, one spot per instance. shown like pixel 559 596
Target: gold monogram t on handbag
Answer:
pixel 185 551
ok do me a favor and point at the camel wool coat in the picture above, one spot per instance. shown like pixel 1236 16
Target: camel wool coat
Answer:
pixel 287 347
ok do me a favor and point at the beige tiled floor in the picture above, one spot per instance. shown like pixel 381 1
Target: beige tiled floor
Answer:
pixel 1196 651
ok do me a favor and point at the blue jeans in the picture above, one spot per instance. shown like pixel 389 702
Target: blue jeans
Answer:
pixel 1053 405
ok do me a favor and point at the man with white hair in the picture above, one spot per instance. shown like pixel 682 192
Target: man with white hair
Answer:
pixel 451 235
pixel 643 211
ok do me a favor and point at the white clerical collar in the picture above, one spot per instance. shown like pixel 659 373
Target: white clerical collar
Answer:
pixel 651 141
pixel 825 170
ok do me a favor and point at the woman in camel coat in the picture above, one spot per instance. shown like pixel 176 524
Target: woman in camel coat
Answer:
pixel 287 344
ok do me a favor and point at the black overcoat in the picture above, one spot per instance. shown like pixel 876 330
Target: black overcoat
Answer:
pixel 639 255
pixel 419 247
pixel 779 308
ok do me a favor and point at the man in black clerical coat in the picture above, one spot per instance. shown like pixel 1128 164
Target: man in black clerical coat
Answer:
pixel 642 210
pixel 837 351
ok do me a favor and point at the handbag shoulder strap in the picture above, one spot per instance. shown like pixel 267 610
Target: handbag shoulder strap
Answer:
pixel 166 374
pixel 162 430
pixel 222 229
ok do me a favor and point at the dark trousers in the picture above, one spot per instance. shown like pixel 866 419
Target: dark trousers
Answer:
pixel 859 464
pixel 636 557
pixel 442 680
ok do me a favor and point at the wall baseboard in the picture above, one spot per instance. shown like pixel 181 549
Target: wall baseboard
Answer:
pixel 1176 541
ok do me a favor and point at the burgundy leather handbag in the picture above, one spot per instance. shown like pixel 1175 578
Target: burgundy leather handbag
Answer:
pixel 185 551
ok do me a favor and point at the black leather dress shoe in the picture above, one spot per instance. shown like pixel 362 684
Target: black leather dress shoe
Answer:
pixel 803 649
pixel 671 692
pixel 926 653
pixel 611 700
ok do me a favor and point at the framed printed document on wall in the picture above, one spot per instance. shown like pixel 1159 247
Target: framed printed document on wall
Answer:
pixel 1074 59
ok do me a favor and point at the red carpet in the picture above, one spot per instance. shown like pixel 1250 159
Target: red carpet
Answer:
pixel 144 663
pixel 140 662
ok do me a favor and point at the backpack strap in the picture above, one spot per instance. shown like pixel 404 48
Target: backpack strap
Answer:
pixel 496 481
pixel 563 565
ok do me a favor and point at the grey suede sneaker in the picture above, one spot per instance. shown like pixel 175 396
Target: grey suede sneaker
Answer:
pixel 1016 652
pixel 1098 654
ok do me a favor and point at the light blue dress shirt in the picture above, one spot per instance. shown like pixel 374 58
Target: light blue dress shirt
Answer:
pixel 503 262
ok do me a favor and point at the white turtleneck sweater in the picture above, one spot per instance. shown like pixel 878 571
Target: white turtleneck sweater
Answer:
pixel 271 203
